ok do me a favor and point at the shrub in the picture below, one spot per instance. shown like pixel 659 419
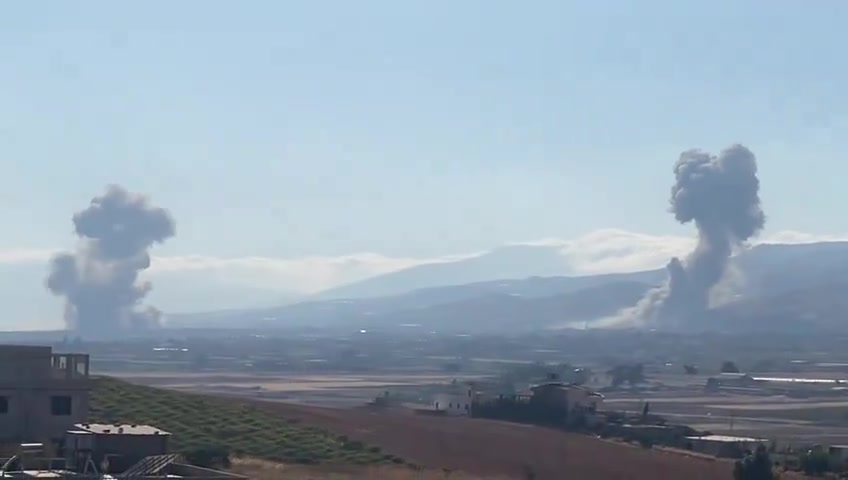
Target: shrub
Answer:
pixel 211 456
pixel 814 463
pixel 757 466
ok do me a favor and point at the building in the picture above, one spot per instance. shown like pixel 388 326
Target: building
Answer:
pixel 31 461
pixel 42 394
pixel 120 445
pixel 569 396
pixel 838 457
pixel 459 401
pixel 742 382
pixel 723 445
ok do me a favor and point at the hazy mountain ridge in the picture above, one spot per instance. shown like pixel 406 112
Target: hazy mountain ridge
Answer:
pixel 781 282
pixel 508 262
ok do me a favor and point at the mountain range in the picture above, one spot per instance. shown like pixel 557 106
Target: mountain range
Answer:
pixel 784 286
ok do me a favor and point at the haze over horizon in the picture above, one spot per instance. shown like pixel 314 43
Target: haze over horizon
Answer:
pixel 301 147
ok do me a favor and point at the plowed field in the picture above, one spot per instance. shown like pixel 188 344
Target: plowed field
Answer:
pixel 485 447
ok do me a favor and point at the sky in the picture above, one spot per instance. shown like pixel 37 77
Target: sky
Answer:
pixel 284 131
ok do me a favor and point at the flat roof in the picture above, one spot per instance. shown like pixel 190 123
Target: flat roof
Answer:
pixel 119 429
pixel 25 350
pixel 727 438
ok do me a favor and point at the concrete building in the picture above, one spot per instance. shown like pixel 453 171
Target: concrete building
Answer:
pixel 570 396
pixel 42 394
pixel 723 445
pixel 121 446
pixel 30 462
pixel 459 401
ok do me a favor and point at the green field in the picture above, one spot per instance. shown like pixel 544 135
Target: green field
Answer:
pixel 199 422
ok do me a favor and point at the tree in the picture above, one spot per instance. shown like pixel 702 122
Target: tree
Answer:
pixel 210 456
pixel 815 462
pixel 729 367
pixel 756 466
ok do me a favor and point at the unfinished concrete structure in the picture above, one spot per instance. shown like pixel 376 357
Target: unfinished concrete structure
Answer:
pixel 121 446
pixel 42 394
pixel 30 462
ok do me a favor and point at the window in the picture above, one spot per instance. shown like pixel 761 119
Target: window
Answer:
pixel 80 364
pixel 4 405
pixel 60 405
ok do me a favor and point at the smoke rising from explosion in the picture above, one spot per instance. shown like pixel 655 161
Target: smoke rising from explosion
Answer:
pixel 100 279
pixel 721 195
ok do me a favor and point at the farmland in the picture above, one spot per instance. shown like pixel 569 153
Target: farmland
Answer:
pixel 305 435
pixel 200 422
pixel 300 400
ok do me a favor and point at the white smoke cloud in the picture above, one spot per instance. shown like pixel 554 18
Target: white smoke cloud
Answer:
pixel 303 275
pixel 601 251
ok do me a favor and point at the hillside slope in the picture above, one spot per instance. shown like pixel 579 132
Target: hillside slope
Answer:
pixel 763 264
pixel 517 261
pixel 772 276
pixel 310 435
pixel 197 421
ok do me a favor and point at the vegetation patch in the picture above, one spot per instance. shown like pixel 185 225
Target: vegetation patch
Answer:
pixel 210 429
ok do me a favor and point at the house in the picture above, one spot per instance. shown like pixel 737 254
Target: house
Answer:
pixel 42 394
pixel 723 445
pixel 728 379
pixel 458 401
pixel 568 396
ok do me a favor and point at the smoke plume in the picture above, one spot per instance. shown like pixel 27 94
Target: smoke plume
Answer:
pixel 720 194
pixel 100 279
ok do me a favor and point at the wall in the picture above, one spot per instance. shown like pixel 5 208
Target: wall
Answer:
pixel 28 380
pixel 193 471
pixel 129 448
pixel 454 403
pixel 24 365
pixel 29 417
pixel 718 448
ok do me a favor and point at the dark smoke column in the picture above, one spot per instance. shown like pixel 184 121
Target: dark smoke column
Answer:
pixel 100 280
pixel 721 195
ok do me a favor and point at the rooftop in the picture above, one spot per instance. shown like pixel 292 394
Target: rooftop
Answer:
pixel 565 386
pixel 110 429
pixel 727 438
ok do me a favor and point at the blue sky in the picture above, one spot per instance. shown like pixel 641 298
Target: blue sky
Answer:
pixel 286 129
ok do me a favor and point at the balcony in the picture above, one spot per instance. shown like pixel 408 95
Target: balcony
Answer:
pixel 70 366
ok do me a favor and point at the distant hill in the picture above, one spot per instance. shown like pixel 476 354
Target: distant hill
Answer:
pixel 783 284
pixel 771 269
pixel 460 303
pixel 761 264
pixel 516 261
pixel 504 312
pixel 822 307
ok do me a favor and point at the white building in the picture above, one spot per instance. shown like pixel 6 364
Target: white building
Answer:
pixel 723 445
pixel 457 402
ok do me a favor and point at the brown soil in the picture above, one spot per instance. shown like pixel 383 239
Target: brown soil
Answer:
pixel 492 448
